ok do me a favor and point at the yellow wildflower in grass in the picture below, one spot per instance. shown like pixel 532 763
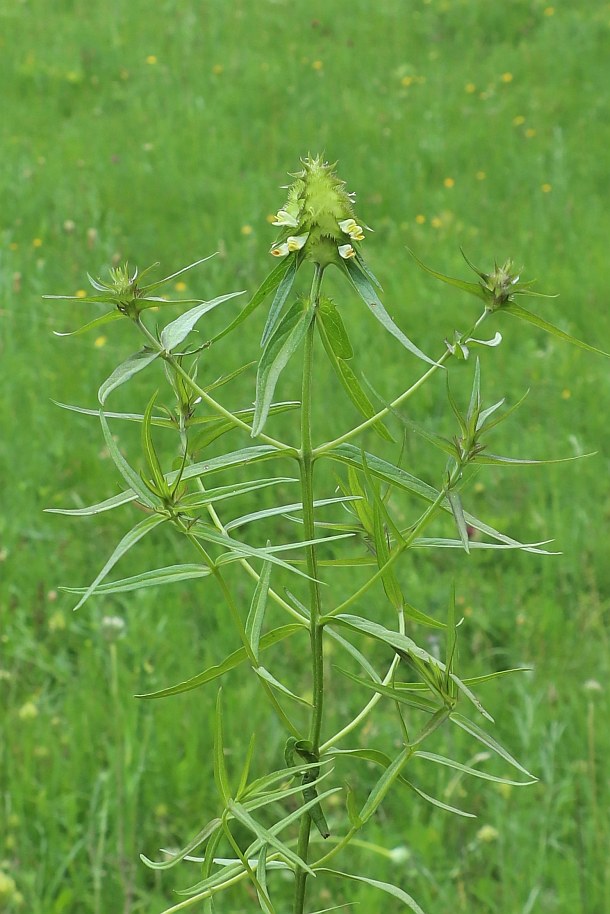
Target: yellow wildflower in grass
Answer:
pixel 317 65
pixel 217 69
pixel 28 711
pixel 151 59
pixel 480 175
pixel 180 286
pixel 57 622
pixel 449 182
pixel 436 222
pixel 487 833
pixel 37 243
pixel 80 293
pixel 566 394
pixel 507 77
pixel 407 81
pixel 549 11
pixel 470 88
pixel 546 188
pixel 518 120
pixel 530 132
pixel 246 230
pixel 100 341
pixel 420 219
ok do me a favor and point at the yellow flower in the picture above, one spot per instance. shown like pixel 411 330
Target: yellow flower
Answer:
pixel 480 175
pixel 317 65
pixel 217 69
pixel 436 222
pixel 246 229
pixel 37 243
pixel 530 132
pixel 346 251
pixel 487 833
pixel 449 182
pixel 546 188
pixel 470 88
pixel 518 120
pixel 80 293
pixel 420 219
pixel 28 711
pixel 180 286
pixel 151 59
pixel 549 11
pixel 507 77
pixel 100 341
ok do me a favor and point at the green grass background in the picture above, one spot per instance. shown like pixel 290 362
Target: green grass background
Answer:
pixel 144 132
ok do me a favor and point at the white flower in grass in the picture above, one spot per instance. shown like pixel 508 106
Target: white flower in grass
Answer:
pixel 296 242
pixel 286 218
pixel 346 251
pixel 351 228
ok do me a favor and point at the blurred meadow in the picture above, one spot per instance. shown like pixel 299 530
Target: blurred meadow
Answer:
pixel 163 132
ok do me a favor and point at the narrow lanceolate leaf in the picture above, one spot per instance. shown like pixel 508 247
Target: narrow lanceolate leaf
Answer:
pixel 254 622
pixel 402 643
pixel 460 521
pixel 347 453
pixel 263 673
pixel 439 803
pixel 487 740
pixel 221 493
pixel 266 836
pixel 262 889
pixel 335 341
pixel 129 540
pixel 496 460
pixel 276 355
pixel 161 421
pixel 267 286
pixel 171 574
pixel 125 371
pixel 234 458
pixel 466 769
pixel 229 663
pixel 414 701
pixel 473 288
pixel 363 286
pixel 158 479
pixel 176 857
pixel 282 509
pixel 114 315
pixel 525 315
pixel 385 782
pixel 283 291
pixel 160 282
pixel 177 331
pixel 376 884
pixel 334 328
pixel 127 472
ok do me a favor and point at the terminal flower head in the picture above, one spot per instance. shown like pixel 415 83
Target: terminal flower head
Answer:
pixel 318 216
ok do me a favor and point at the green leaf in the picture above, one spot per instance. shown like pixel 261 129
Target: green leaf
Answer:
pixel 338 348
pixel 229 663
pixel 473 288
pixel 496 460
pixel 125 371
pixel 254 622
pixel 363 286
pixel 264 673
pixel 127 542
pixel 439 803
pixel 334 329
pixel 348 453
pixel 171 574
pixel 127 472
pixel 383 785
pixel 522 314
pixel 221 493
pixel 466 769
pixel 421 703
pixel 176 331
pixel 460 521
pixel 161 421
pixel 265 836
pixel 240 457
pixel 160 485
pixel 487 740
pixel 159 282
pixel 270 283
pixel 114 315
pixel 376 884
pixel 283 291
pixel 281 509
pixel 215 427
pixel 276 355
pixel 243 781
pixel 177 856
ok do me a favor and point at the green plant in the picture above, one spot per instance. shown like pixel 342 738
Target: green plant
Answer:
pixel 318 228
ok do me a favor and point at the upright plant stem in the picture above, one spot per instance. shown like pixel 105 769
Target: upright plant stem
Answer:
pixel 306 464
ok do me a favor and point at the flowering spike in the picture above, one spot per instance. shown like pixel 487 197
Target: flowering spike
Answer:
pixel 319 211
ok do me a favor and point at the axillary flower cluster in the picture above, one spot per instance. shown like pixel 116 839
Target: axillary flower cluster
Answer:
pixel 318 217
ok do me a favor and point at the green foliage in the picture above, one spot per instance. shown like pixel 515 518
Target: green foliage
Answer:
pixel 178 498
